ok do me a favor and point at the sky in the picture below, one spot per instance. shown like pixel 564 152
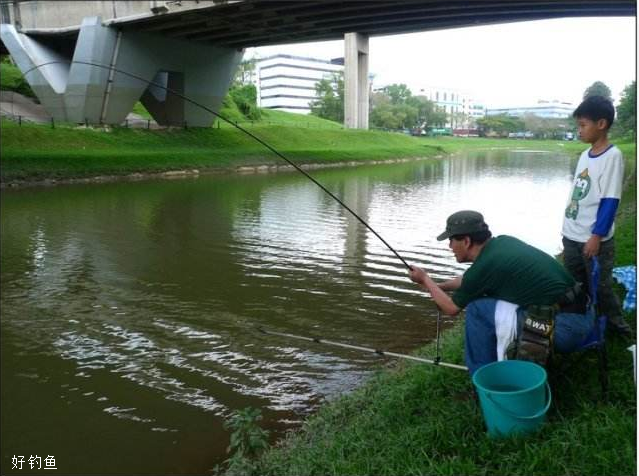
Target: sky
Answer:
pixel 505 65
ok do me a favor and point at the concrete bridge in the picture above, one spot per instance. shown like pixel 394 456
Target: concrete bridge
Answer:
pixel 193 47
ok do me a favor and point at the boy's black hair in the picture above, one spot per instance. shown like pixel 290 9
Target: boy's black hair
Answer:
pixel 477 237
pixel 595 108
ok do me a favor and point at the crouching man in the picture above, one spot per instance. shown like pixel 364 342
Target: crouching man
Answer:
pixel 520 302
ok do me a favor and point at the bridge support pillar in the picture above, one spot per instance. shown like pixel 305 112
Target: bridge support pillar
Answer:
pixel 73 91
pixel 356 81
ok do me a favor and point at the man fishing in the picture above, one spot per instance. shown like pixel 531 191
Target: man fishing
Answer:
pixel 518 299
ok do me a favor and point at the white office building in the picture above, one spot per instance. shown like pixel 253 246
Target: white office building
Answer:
pixel 462 110
pixel 287 82
pixel 546 109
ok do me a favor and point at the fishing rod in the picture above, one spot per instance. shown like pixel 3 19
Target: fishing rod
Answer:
pixel 112 69
pixel 264 143
pixel 437 360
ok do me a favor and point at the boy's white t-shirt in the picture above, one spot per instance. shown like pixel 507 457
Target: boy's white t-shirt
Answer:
pixel 596 177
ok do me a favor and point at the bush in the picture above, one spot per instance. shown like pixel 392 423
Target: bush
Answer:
pixel 245 97
pixel 11 78
pixel 230 111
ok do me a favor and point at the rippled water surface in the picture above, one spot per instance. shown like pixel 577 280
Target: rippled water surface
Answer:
pixel 129 309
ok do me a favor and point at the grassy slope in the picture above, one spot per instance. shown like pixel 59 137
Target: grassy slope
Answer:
pixel 418 419
pixel 34 152
pixel 11 79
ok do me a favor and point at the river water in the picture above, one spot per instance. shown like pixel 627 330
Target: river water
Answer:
pixel 129 309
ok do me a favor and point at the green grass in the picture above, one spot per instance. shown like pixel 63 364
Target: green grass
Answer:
pixel 297 120
pixel 626 221
pixel 419 419
pixel 140 110
pixel 35 152
pixel 11 79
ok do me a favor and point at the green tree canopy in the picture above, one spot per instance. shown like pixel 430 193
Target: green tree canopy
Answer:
pixel 598 89
pixel 395 107
pixel 548 127
pixel 398 93
pixel 427 111
pixel 500 125
pixel 627 112
pixel 330 98
pixel 244 72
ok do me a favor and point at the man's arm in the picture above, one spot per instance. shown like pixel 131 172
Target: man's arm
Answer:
pixel 451 285
pixel 440 297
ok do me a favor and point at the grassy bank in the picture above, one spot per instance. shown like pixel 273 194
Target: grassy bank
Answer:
pixel 419 419
pixel 35 152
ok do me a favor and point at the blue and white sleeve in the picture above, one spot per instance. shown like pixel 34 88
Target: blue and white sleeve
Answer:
pixel 605 216
pixel 611 184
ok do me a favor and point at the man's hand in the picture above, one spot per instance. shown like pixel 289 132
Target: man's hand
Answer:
pixel 591 248
pixel 417 275
pixel 442 299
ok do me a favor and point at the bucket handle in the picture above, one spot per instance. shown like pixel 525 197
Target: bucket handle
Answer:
pixel 531 417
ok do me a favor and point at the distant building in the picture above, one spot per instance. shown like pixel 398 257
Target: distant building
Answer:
pixel 287 83
pixel 461 109
pixel 546 109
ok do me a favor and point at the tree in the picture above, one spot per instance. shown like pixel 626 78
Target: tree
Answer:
pixel 395 107
pixel 427 111
pixel 393 116
pixel 548 127
pixel 330 98
pixel 626 123
pixel 499 125
pixel 598 89
pixel 245 71
pixel 459 119
pixel 398 93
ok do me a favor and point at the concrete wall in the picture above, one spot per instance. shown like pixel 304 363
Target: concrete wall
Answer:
pixel 63 14
pixel 122 66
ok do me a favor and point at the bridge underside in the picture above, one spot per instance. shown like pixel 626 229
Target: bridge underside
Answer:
pixel 258 23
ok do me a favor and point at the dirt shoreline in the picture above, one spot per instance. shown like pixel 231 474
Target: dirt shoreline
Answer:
pixel 193 173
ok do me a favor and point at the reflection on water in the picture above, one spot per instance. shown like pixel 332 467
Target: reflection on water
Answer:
pixel 129 310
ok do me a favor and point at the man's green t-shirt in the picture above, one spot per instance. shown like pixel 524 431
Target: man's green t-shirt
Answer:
pixel 511 270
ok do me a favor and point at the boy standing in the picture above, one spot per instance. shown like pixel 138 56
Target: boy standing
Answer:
pixel 588 226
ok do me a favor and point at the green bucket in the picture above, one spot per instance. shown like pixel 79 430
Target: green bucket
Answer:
pixel 514 396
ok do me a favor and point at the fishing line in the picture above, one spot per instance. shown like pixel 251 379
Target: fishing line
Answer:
pixel 264 143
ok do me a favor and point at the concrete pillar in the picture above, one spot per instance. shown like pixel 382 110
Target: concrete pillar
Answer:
pixel 48 82
pixel 75 92
pixel 86 87
pixel 356 81
pixel 200 72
